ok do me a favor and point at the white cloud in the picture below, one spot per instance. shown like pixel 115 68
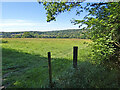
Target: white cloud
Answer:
pixel 13 25
pixel 21 24
pixel 14 22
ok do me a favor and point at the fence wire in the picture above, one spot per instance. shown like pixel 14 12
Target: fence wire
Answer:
pixel 66 52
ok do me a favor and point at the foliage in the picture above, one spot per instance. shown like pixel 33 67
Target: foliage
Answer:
pixel 88 75
pixel 55 8
pixel 103 24
pixel 4 41
pixel 104 29
pixel 72 33
pixel 27 35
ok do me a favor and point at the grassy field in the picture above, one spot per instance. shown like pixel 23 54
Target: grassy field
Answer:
pixel 25 60
pixel 24 63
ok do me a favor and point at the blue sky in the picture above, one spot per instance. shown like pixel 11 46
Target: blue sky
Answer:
pixel 31 16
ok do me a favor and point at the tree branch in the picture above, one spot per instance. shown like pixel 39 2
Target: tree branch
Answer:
pixel 117 44
pixel 98 4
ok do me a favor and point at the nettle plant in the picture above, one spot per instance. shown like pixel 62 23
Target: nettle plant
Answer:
pixel 102 25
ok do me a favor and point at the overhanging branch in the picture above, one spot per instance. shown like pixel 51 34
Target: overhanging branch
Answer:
pixel 117 44
pixel 98 4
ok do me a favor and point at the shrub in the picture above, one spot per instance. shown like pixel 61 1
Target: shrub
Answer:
pixel 88 76
pixel 4 41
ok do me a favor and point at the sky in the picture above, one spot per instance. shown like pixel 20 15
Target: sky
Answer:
pixel 31 16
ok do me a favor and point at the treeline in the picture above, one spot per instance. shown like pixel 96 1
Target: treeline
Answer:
pixel 73 33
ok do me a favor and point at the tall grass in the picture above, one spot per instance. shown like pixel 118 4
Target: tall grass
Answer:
pixel 25 65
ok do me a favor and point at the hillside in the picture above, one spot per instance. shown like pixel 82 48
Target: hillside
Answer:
pixel 70 33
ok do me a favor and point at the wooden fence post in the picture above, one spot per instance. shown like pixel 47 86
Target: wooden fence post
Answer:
pixel 49 68
pixel 75 53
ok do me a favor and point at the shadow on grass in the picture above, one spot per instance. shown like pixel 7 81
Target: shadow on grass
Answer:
pixel 24 70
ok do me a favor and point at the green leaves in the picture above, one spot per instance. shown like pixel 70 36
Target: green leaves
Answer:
pixel 104 30
pixel 55 8
pixel 102 21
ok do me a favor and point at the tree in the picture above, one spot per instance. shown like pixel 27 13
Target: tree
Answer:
pixel 102 21
pixel 36 35
pixel 27 35
pixel 17 36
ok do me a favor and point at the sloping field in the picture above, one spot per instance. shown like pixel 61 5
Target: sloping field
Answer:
pixel 25 60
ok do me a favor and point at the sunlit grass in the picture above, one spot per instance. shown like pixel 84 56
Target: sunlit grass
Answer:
pixel 25 64
pixel 25 60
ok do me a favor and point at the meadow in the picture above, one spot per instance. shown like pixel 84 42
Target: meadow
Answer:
pixel 25 64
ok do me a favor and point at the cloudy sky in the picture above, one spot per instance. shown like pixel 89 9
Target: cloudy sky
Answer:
pixel 31 16
pixel 28 15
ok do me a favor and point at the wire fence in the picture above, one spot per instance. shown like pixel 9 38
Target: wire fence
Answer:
pixel 75 54
pixel 66 53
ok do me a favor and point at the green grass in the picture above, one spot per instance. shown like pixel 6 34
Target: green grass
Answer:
pixel 25 60
pixel 25 64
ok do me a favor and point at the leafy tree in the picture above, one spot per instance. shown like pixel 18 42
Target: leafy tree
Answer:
pixel 36 35
pixel 102 21
pixel 17 36
pixel 6 35
pixel 27 35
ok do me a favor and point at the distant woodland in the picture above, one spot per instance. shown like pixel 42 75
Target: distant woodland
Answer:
pixel 71 33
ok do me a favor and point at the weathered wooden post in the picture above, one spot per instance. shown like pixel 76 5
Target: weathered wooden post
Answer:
pixel 49 68
pixel 75 53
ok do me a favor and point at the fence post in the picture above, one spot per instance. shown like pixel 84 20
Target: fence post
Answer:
pixel 75 53
pixel 49 68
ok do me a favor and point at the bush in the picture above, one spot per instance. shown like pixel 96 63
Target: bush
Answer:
pixel 4 41
pixel 85 42
pixel 88 76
